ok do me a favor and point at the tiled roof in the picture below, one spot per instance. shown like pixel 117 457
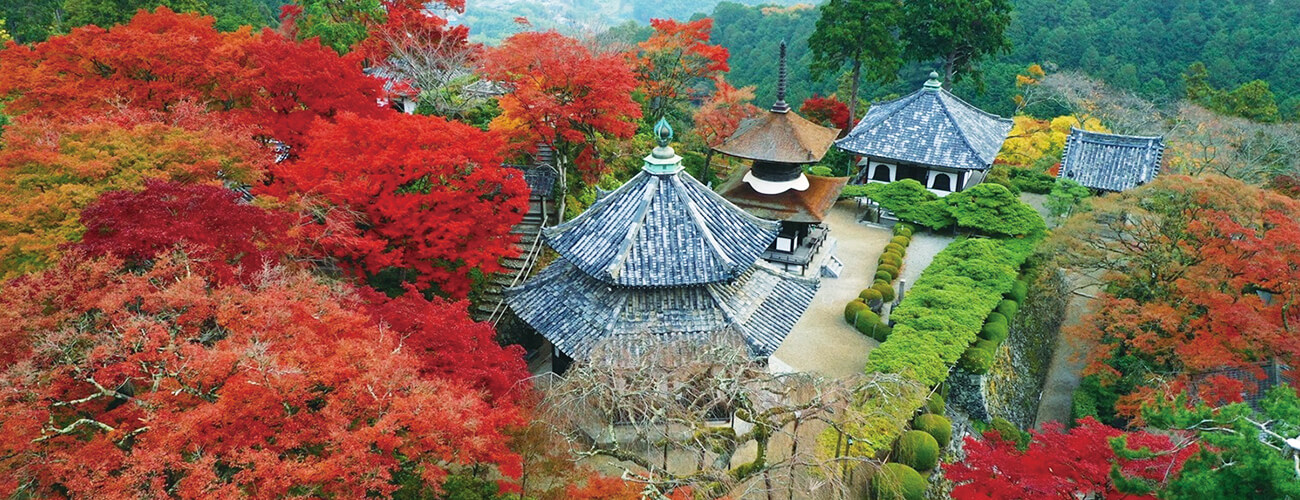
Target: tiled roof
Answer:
pixel 577 312
pixel 809 205
pixel 662 230
pixel 1110 162
pixel 929 127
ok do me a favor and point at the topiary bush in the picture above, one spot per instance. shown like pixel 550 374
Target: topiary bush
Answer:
pixel 897 482
pixel 937 426
pixel 1009 432
pixel 903 229
pixel 997 317
pixel 869 324
pixel 884 275
pixel 1008 308
pixel 978 358
pixel 869 295
pixel 917 449
pixel 891 259
pixel 894 248
pixel 900 240
pixel 886 291
pixel 821 171
pixel 935 404
pixel 1019 290
pixel 995 332
pixel 852 309
pixel 892 270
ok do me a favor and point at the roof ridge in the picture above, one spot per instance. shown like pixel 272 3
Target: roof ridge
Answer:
pixel 956 123
pixel 1083 132
pixel 592 209
pixel 699 222
pixel 638 222
pixel 977 109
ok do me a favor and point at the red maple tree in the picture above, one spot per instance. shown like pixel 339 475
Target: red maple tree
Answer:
pixel 162 58
pixel 562 95
pixel 828 111
pixel 231 239
pixel 720 116
pixel 1067 465
pixel 163 383
pixel 431 195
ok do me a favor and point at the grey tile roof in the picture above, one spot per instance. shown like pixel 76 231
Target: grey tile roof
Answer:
pixel 929 127
pixel 1110 162
pixel 577 312
pixel 662 230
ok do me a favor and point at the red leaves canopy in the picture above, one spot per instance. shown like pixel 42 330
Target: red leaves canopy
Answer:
pixel 1064 465
pixel 719 117
pixel 230 239
pixel 562 95
pixel 828 111
pixel 433 195
pixel 164 383
pixel 162 58
pixel 676 58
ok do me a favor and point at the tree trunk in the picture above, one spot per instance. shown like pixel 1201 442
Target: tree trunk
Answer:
pixel 853 97
pixel 708 161
pixel 949 69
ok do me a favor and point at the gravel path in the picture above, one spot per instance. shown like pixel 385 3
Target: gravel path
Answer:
pixel 1066 370
pixel 821 341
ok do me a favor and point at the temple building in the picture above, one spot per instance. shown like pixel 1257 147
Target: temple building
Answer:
pixel 661 255
pixel 1110 162
pixel 780 143
pixel 931 136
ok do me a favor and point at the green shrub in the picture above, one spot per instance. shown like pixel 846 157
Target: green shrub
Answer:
pixel 903 229
pixel 1009 432
pixel 869 295
pixel 937 426
pixel 917 449
pixel 891 259
pixel 897 482
pixel 978 358
pixel 935 404
pixel 997 317
pixel 852 309
pixel 1032 181
pixel 1019 290
pixel 883 275
pixel 821 171
pixel 995 332
pixel 894 248
pixel 900 240
pixel 869 324
pixel 993 210
pixel 886 291
pixel 1008 308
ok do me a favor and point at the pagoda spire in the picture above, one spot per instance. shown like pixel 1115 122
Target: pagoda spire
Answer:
pixel 780 106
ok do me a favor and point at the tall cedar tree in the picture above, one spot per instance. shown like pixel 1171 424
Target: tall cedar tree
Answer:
pixel 162 58
pixel 232 240
pixel 860 34
pixel 433 197
pixel 956 33
pixel 1090 461
pixel 564 96
pixel 1200 276
pixel 49 171
pixel 163 383
pixel 676 62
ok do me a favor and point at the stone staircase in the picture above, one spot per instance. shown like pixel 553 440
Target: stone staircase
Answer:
pixel 542 212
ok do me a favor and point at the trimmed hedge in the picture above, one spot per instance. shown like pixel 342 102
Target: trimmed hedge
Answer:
pixel 903 229
pixel 935 404
pixel 884 275
pixel 885 289
pixel 869 294
pixel 937 426
pixel 995 332
pixel 917 449
pixel 901 240
pixel 1008 308
pixel 946 307
pixel 887 268
pixel 978 358
pixel 1019 290
pixel 897 482
pixel 869 324
pixel 891 259
pixel 852 309
pixel 894 248
pixel 997 317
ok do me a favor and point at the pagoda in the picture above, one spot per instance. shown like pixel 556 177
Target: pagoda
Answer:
pixel 662 255
pixel 930 136
pixel 780 143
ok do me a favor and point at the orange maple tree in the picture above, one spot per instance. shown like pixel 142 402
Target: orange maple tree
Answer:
pixel 49 170
pixel 432 196
pixel 160 382
pixel 675 61
pixel 562 95
pixel 720 115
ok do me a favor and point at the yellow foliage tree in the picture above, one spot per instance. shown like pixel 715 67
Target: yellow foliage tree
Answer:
pixel 1032 139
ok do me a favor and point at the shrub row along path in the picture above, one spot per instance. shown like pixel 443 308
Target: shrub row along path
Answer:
pixel 822 342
